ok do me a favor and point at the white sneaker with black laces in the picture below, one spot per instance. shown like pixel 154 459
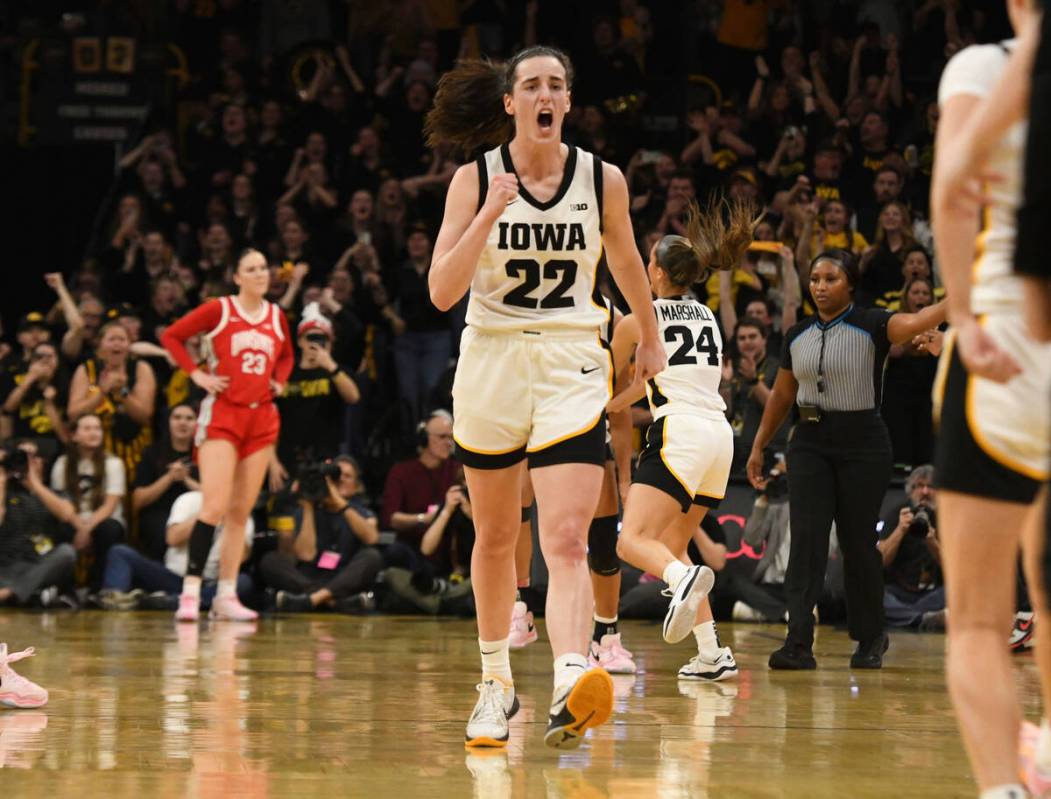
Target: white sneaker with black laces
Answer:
pixel 577 707
pixel 685 599
pixel 497 703
pixel 700 668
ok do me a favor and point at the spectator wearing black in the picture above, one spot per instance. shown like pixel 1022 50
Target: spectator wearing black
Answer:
pixel 32 330
pixel 839 455
pixel 121 391
pixel 225 155
pixel 165 473
pixel 907 382
pixel 887 187
pixel 332 560
pixel 914 594
pixel 34 399
pixel 748 379
pixel 882 262
pixel 423 348
pixel 31 557
pixel 415 489
pixel 94 482
pixel 314 402
pixel 867 159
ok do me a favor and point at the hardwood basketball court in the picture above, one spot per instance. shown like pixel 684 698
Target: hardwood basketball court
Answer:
pixel 332 706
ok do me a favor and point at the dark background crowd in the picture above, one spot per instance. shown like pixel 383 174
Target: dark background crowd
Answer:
pixel 296 128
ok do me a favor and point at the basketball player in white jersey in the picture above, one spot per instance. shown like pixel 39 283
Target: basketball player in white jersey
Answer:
pixel 524 227
pixel 685 465
pixel 994 422
pixel 606 648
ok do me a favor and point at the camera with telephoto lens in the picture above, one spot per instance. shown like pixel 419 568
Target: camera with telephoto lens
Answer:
pixel 923 519
pixel 312 479
pixel 16 462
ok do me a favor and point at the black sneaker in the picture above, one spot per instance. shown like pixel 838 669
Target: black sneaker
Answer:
pixel 159 600
pixel 792 657
pixel 364 602
pixel 869 654
pixel 287 602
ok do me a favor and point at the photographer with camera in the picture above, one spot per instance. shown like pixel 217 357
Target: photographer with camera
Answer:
pixel 913 594
pixel 30 516
pixel 331 560
pixel 313 404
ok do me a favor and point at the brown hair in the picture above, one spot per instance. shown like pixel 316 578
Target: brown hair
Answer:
pixel 716 238
pixel 98 465
pixel 469 104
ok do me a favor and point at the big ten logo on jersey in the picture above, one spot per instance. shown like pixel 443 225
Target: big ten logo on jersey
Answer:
pixel 557 236
pixel 251 346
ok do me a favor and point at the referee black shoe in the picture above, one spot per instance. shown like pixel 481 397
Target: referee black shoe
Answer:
pixel 793 657
pixel 869 654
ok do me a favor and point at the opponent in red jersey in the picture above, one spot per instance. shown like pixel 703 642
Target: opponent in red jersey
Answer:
pixel 249 359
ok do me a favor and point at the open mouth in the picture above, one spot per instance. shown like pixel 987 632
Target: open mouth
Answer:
pixel 545 119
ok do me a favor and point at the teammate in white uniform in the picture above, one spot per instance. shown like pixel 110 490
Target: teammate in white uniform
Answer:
pixel 991 397
pixel 689 447
pixel 524 228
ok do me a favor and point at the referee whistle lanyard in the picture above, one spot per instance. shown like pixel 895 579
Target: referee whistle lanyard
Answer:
pixel 824 326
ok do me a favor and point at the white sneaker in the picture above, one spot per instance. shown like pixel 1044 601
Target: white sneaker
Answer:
pixel 744 612
pixel 685 599
pixel 577 707
pixel 497 703
pixel 700 668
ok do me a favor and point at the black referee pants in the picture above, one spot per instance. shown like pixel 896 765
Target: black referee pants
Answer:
pixel 838 470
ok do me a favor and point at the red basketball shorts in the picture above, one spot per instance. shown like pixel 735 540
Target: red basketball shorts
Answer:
pixel 249 428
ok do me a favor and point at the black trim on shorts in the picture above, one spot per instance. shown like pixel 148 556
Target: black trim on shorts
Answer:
pixel 483 181
pixel 481 460
pixel 586 447
pixel 960 463
pixel 706 502
pixel 651 470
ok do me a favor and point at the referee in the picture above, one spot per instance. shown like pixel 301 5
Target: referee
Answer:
pixel 839 455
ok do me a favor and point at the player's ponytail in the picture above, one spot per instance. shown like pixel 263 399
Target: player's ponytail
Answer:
pixel 715 239
pixel 469 108
pixel 469 104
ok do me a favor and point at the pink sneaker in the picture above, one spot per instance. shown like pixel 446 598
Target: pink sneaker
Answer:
pixel 16 690
pixel 611 656
pixel 523 632
pixel 229 608
pixel 189 608
pixel 1037 781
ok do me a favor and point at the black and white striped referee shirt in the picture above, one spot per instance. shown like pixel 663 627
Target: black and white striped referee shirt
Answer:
pixel 839 364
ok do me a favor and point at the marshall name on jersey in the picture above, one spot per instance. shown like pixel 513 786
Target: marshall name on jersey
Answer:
pixel 690 383
pixel 537 270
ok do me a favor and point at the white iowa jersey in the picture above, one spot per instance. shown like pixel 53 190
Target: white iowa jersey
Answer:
pixel 995 289
pixel 690 383
pixel 537 270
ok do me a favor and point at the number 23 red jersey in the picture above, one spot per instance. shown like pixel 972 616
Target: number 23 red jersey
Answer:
pixel 250 349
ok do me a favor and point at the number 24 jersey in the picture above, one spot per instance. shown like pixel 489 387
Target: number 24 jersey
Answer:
pixel 690 383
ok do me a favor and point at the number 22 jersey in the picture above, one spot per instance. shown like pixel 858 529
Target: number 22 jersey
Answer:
pixel 537 269
pixel 690 383
pixel 250 349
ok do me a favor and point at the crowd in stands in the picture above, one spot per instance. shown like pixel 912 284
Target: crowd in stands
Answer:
pixel 300 133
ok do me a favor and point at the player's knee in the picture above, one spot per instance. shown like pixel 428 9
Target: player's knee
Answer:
pixel 495 541
pixel 602 546
pixel 564 548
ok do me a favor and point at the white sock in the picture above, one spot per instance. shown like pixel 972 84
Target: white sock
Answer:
pixel 1009 791
pixel 707 640
pixel 674 572
pixel 1043 747
pixel 496 660
pixel 191 586
pixel 569 667
pixel 227 588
